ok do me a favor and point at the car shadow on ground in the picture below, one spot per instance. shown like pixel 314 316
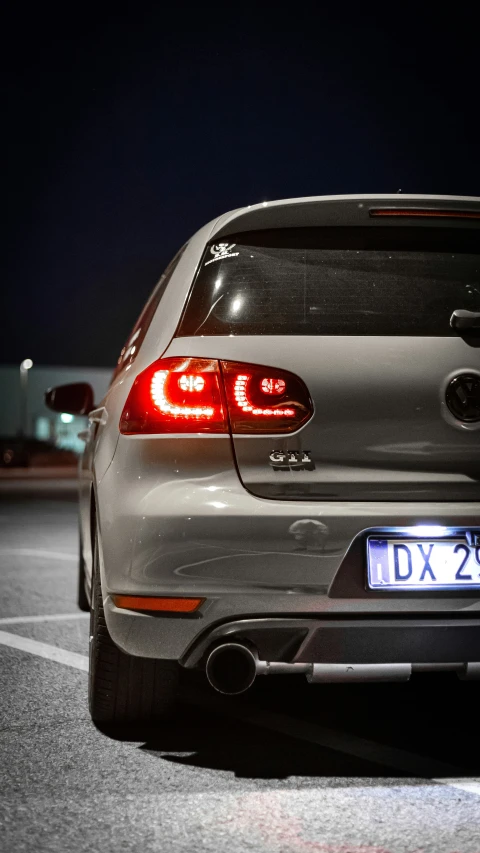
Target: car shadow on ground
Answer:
pixel 427 718
pixel 196 739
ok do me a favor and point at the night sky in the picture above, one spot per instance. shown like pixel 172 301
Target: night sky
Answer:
pixel 124 132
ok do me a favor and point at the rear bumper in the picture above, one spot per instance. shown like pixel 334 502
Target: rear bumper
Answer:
pixel 314 629
pixel 353 641
pixel 203 535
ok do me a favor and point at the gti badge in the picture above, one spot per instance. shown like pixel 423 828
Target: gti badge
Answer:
pixel 291 460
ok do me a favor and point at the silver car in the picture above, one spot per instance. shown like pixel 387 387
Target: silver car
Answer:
pixel 284 475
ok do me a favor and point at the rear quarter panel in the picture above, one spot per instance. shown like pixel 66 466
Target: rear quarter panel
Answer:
pixel 156 341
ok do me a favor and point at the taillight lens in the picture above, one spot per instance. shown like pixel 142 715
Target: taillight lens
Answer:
pixel 264 399
pixel 175 395
pixel 192 395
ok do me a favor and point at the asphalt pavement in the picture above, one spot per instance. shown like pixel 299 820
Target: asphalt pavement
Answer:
pixel 288 767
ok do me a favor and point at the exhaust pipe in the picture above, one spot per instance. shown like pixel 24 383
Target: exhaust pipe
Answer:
pixel 231 668
pixel 341 673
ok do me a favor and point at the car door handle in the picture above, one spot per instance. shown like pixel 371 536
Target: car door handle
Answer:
pixel 463 319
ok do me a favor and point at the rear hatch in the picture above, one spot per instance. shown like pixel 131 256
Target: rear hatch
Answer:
pixel 362 315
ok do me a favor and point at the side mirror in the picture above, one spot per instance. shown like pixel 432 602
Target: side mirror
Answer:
pixel 74 399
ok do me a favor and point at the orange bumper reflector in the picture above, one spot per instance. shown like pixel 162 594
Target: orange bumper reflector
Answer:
pixel 149 602
pixel 445 214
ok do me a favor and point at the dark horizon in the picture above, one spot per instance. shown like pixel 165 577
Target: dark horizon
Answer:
pixel 127 133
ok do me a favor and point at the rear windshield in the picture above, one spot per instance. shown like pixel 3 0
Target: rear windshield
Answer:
pixel 335 281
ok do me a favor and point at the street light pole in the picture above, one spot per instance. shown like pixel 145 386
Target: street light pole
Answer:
pixel 25 366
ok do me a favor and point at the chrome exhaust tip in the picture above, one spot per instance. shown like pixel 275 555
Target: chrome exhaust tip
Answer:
pixel 231 668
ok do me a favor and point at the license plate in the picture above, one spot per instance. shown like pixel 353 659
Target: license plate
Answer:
pixel 422 563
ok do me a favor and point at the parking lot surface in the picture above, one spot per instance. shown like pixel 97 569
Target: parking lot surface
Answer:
pixel 287 767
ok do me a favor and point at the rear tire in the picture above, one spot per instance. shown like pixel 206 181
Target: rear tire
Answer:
pixel 124 688
pixel 82 599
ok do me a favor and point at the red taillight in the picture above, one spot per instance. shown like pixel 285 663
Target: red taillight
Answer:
pixel 191 395
pixel 175 395
pixel 264 400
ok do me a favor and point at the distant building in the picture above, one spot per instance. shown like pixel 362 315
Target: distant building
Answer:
pixel 38 421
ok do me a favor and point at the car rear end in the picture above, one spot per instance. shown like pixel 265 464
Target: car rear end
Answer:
pixel 296 479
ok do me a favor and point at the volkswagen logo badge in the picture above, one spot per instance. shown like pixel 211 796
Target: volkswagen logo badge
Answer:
pixel 463 397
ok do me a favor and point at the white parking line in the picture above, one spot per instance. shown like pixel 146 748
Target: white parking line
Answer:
pixel 34 552
pixel 368 750
pixel 54 617
pixel 470 785
pixel 44 650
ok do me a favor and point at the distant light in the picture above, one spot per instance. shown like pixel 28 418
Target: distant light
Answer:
pixel 26 364
pixel 237 304
pixel 66 418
